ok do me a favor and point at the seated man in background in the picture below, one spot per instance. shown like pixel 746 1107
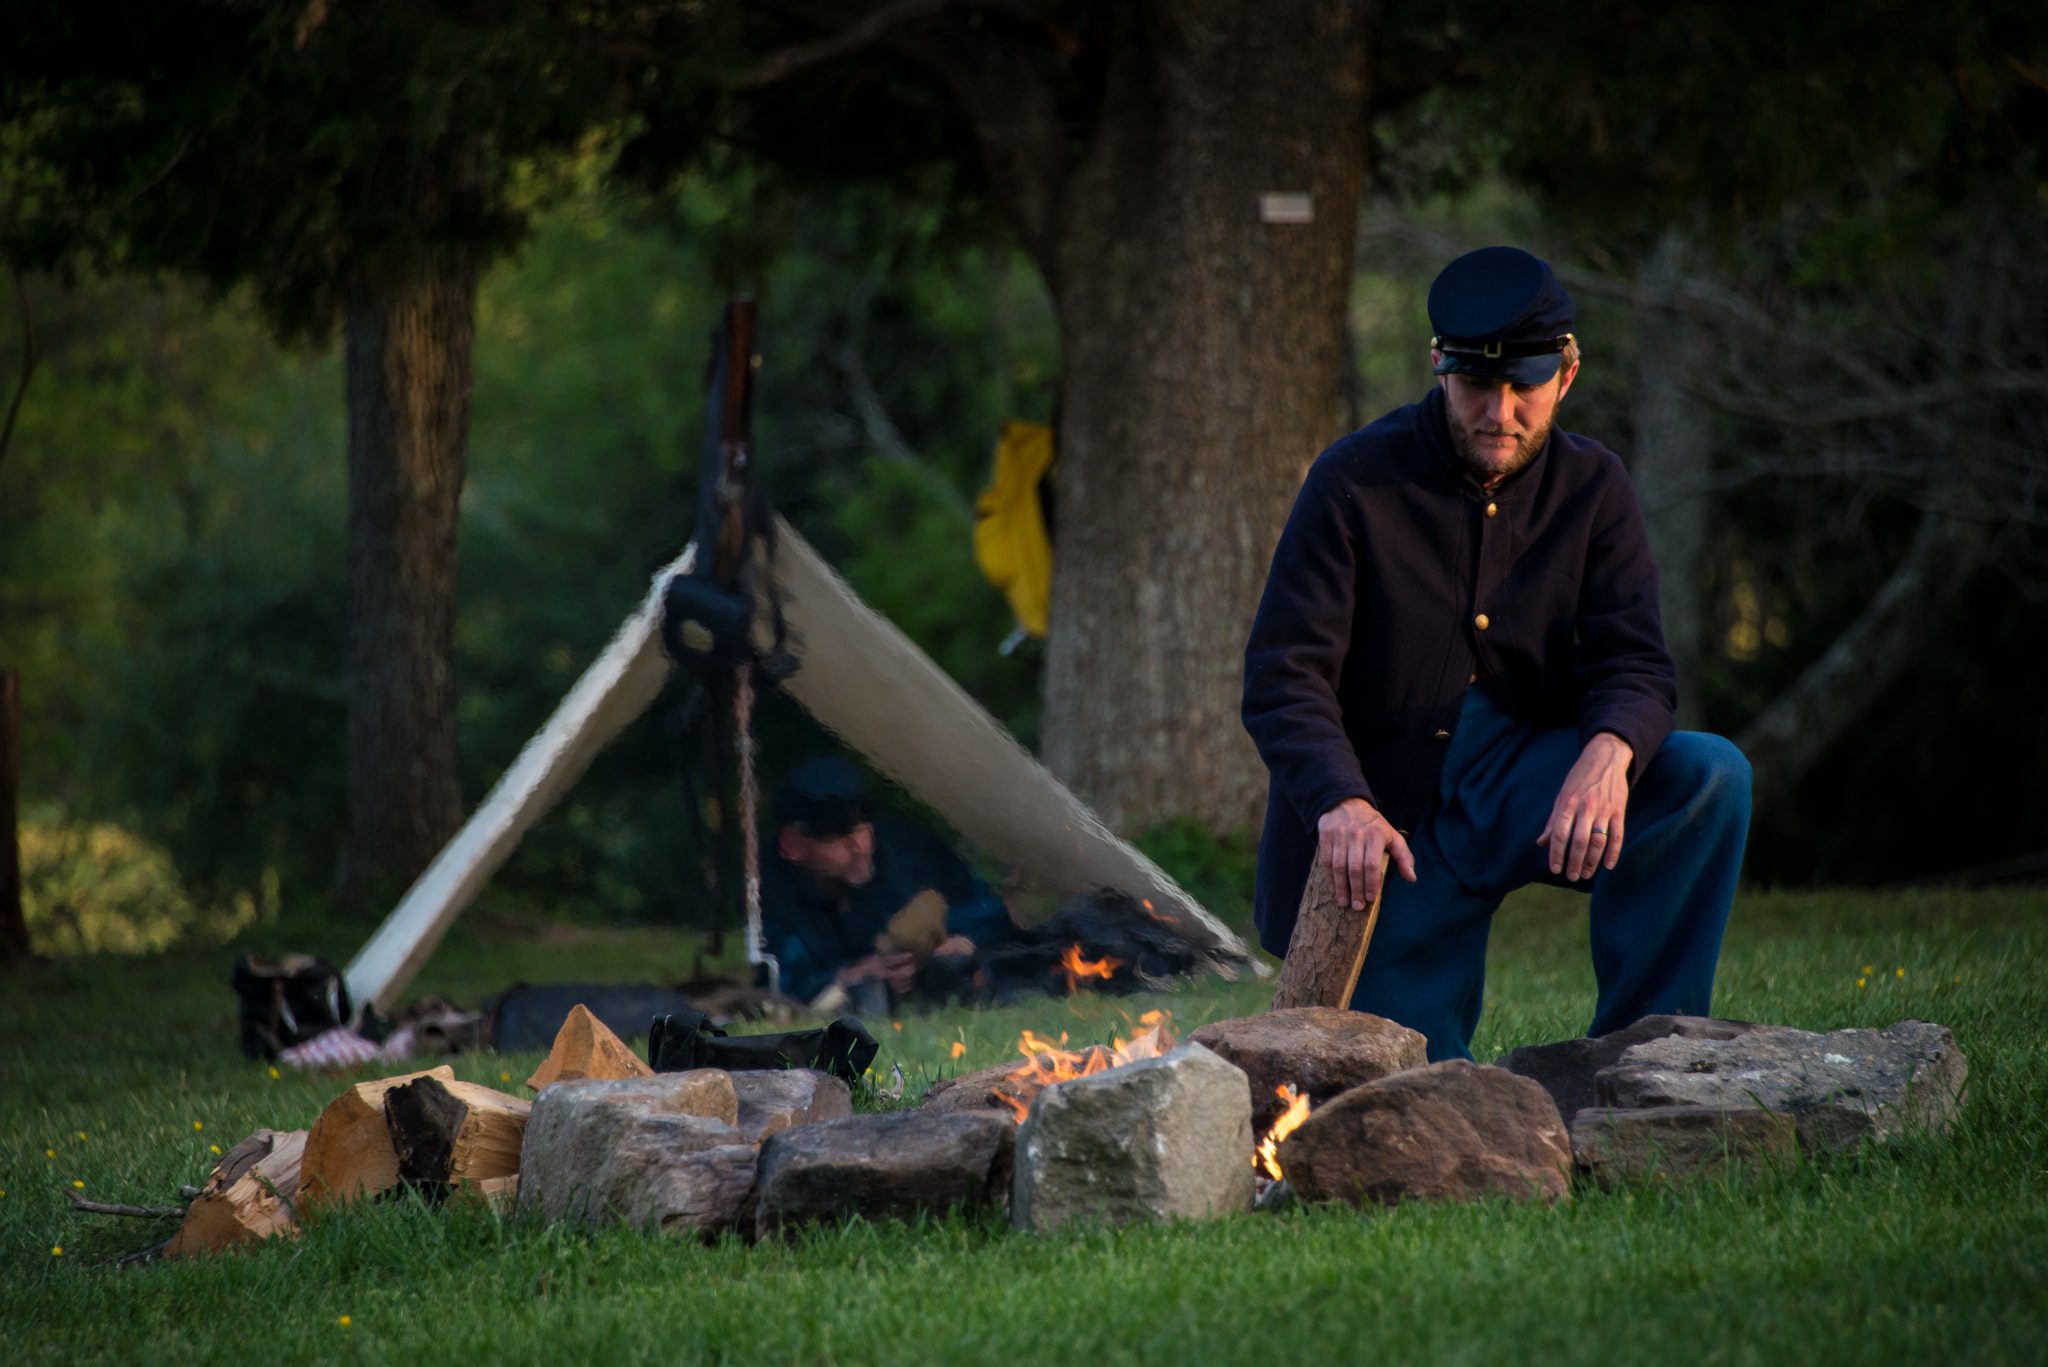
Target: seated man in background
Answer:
pixel 861 913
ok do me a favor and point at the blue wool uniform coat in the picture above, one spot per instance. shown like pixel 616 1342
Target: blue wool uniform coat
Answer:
pixel 1397 580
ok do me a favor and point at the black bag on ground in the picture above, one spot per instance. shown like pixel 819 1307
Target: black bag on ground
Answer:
pixel 287 1000
pixel 687 1039
pixel 530 1015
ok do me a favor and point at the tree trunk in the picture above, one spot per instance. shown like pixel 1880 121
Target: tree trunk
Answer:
pixel 409 340
pixel 14 943
pixel 1673 449
pixel 1201 348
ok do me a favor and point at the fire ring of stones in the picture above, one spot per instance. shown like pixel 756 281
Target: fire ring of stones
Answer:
pixel 1340 1104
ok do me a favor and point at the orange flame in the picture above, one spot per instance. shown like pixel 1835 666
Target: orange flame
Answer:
pixel 1076 968
pixel 1267 1157
pixel 1048 1061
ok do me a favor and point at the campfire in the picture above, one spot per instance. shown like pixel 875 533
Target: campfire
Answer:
pixel 1048 1061
pixel 1266 1158
pixel 1080 970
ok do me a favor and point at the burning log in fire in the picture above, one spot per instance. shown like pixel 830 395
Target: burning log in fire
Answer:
pixel 1079 969
pixel 1049 1061
pixel 1266 1158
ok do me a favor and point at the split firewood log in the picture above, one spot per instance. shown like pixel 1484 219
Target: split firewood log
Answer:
pixel 1327 949
pixel 446 1132
pixel 495 1193
pixel 586 1047
pixel 248 1196
pixel 348 1151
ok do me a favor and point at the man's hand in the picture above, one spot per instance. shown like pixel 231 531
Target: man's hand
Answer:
pixel 1353 841
pixel 1585 827
pixel 897 968
pixel 957 946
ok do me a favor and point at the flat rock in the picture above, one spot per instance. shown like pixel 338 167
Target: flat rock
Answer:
pixel 1324 1051
pixel 1451 1131
pixel 771 1102
pixel 660 1152
pixel 1163 1138
pixel 884 1166
pixel 1841 1088
pixel 1567 1068
pixel 1672 1143
pixel 975 1091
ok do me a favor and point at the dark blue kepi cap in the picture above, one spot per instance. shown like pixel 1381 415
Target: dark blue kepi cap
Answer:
pixel 1500 312
pixel 822 796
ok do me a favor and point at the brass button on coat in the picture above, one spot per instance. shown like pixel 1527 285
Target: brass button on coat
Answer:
pixel 1493 510
pixel 1480 621
pixel 1441 735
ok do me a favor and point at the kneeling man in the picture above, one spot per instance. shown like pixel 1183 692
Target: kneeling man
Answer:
pixel 1458 665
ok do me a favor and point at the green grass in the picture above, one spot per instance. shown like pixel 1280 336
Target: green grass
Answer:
pixel 1932 1248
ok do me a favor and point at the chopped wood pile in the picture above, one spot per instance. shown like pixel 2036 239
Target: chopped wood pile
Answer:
pixel 427 1130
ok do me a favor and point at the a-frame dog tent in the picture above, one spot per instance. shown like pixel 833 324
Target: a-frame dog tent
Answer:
pixel 861 678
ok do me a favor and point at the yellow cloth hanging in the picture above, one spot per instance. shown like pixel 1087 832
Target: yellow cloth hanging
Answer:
pixel 1010 540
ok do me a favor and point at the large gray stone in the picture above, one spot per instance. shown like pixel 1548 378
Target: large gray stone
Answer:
pixel 884 1166
pixel 1448 1132
pixel 1324 1051
pixel 1163 1138
pixel 1673 1143
pixel 658 1152
pixel 1567 1069
pixel 975 1091
pixel 774 1100
pixel 1841 1088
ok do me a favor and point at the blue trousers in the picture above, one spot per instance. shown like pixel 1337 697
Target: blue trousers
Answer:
pixel 1657 915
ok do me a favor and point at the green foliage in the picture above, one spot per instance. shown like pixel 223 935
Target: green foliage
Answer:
pixel 1217 871
pixel 100 890
pixel 1927 1248
pixel 171 527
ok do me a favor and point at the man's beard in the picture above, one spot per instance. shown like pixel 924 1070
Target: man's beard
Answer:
pixel 1481 465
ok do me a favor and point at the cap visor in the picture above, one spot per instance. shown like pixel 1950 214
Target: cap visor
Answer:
pixel 1515 370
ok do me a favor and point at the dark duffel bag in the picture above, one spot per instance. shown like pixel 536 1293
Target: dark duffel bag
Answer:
pixel 288 1000
pixel 530 1015
pixel 686 1039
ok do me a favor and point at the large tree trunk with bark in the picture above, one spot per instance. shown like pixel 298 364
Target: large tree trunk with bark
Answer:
pixel 1673 456
pixel 409 342
pixel 1201 347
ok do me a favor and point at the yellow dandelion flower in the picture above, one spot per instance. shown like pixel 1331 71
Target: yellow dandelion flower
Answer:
pixel 1902 973
pixel 1869 969
pixel 215 1148
pixel 78 1182
pixel 344 1321
pixel 198 1124
pixel 56 1250
pixel 3 1193
pixel 273 1072
pixel 1861 981
pixel 49 1153
pixel 958 1048
pixel 83 1135
pixel 504 1077
pixel 1959 977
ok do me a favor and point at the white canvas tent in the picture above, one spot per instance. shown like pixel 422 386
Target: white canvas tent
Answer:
pixel 860 677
